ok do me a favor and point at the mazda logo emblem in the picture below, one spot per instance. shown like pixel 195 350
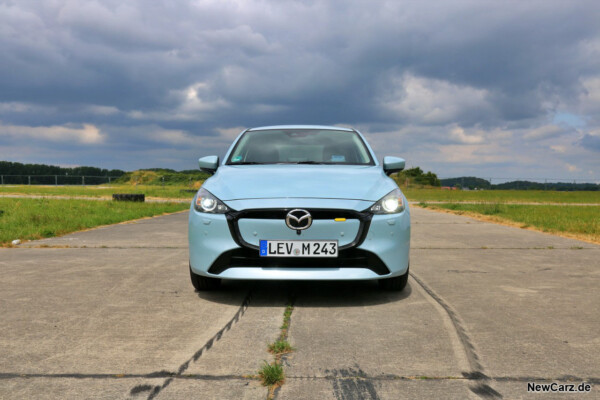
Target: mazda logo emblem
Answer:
pixel 298 220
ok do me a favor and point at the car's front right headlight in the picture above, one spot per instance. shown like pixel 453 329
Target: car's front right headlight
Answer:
pixel 206 202
pixel 391 203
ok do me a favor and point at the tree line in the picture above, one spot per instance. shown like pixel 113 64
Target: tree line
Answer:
pixel 15 173
pixel 471 182
pixel 417 176
pixel 15 168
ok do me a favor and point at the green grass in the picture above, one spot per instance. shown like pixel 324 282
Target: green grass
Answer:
pixel 271 374
pixel 579 221
pixel 413 194
pixel 287 315
pixel 501 196
pixel 29 219
pixel 158 176
pixel 167 191
pixel 280 346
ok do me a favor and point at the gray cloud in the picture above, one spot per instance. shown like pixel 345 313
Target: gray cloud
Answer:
pixel 591 142
pixel 461 86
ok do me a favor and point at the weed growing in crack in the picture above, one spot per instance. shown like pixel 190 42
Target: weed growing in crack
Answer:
pixel 271 374
pixel 287 315
pixel 280 346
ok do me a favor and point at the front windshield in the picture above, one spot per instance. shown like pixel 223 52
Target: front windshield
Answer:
pixel 300 146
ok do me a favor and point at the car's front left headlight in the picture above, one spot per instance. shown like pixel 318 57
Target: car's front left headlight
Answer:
pixel 391 203
pixel 206 202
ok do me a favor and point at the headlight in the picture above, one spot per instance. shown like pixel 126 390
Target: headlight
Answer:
pixel 391 203
pixel 206 202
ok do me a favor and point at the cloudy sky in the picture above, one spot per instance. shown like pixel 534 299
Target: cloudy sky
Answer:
pixel 491 89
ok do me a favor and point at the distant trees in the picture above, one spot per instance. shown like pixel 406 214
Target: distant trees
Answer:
pixel 559 186
pixel 163 176
pixel 469 182
pixel 45 174
pixel 15 168
pixel 417 176
pixel 15 173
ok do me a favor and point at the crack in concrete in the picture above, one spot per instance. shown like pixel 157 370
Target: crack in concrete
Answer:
pixel 283 357
pixel 464 377
pixel 481 387
pixel 362 376
pixel 345 384
pixel 155 390
pixel 566 378
pixel 151 375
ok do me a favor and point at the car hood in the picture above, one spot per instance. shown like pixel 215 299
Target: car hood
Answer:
pixel 299 181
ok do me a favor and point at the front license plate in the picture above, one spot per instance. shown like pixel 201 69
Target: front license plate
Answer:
pixel 298 248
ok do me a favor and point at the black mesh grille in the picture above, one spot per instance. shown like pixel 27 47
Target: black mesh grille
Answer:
pixel 350 258
pixel 279 213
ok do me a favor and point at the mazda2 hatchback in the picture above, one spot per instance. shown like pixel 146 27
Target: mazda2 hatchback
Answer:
pixel 299 203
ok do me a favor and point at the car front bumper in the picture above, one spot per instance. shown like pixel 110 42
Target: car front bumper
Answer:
pixel 370 246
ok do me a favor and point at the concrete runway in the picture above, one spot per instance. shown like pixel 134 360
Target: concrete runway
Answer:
pixel 111 313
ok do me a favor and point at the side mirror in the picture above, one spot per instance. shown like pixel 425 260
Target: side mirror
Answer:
pixel 393 164
pixel 209 164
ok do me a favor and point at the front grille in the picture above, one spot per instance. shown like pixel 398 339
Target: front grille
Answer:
pixel 280 213
pixel 350 258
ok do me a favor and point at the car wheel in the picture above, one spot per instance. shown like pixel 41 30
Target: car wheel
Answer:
pixel 396 284
pixel 202 283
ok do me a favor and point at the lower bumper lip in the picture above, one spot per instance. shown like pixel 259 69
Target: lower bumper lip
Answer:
pixel 294 274
pixel 347 260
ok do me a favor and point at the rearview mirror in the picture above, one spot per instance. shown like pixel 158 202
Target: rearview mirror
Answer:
pixel 209 164
pixel 393 164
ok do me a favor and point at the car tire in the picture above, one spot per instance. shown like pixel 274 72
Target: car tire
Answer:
pixel 396 284
pixel 202 283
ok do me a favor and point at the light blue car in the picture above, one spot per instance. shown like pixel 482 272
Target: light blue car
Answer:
pixel 299 203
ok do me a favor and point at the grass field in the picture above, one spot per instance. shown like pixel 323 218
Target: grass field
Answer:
pixel 501 196
pixel 413 194
pixel 582 222
pixel 579 221
pixel 28 219
pixel 167 191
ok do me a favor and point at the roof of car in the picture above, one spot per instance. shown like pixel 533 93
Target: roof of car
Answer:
pixel 322 127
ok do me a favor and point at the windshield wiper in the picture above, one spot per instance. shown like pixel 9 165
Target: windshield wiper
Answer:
pixel 247 163
pixel 307 162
